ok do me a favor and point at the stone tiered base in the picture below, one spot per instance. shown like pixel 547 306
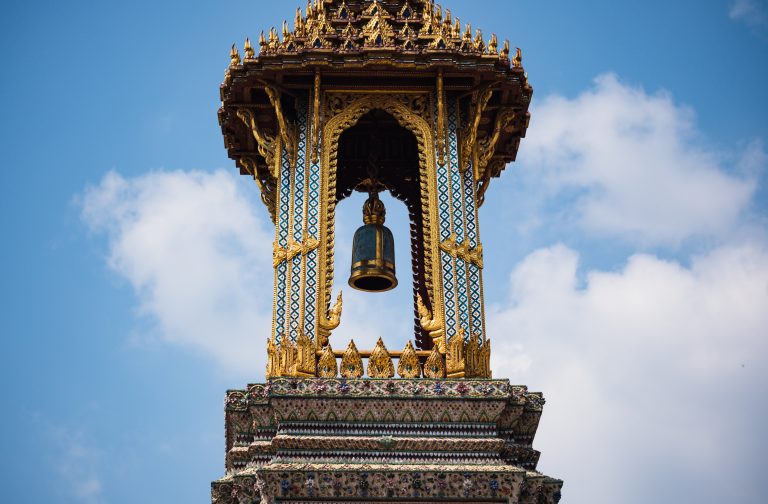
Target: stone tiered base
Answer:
pixel 335 440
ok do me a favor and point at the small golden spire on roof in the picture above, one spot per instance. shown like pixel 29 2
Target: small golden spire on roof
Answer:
pixel 248 49
pixel 479 44
pixel 505 50
pixel 298 24
pixel 493 45
pixel 517 61
pixel 262 40
pixel 286 31
pixel 234 56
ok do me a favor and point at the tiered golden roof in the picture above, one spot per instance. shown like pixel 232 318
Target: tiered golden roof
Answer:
pixel 393 46
pixel 356 27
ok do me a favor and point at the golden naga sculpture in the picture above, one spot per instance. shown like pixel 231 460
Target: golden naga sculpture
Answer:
pixel 409 366
pixel 288 131
pixel 265 143
pixel 330 322
pixel 433 325
pixel 380 362
pixel 351 362
pixel 479 103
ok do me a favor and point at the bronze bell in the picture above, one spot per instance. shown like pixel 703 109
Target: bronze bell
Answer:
pixel 373 251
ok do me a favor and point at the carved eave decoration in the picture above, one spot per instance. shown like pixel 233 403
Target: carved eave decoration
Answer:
pixel 378 45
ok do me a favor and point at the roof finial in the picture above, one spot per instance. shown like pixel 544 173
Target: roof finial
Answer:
pixel 517 61
pixel 234 56
pixel 248 49
pixel 493 45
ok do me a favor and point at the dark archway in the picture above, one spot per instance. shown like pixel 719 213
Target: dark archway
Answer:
pixel 377 141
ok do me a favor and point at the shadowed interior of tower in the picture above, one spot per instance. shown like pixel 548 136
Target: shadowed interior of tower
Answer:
pixel 378 154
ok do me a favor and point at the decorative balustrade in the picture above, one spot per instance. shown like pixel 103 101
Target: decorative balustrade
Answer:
pixel 303 359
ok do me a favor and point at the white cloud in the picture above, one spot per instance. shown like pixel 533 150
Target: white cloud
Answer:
pixel 76 464
pixel 655 375
pixel 197 251
pixel 750 12
pixel 634 166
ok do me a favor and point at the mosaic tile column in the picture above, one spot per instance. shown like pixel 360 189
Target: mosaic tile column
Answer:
pixel 445 222
pixel 297 228
pixel 459 237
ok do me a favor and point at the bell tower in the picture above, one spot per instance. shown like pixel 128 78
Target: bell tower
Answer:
pixel 374 96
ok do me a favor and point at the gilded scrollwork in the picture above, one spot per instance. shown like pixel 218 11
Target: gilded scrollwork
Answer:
pixel 342 112
pixel 293 249
pixel 454 358
pixel 470 255
pixel 479 103
pixel 440 118
pixel 265 144
pixel 306 357
pixel 288 132
pixel 316 120
pixel 486 147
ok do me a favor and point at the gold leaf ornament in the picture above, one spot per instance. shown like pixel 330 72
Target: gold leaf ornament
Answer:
pixel 380 362
pixel 434 367
pixel 351 363
pixel 409 366
pixel 326 367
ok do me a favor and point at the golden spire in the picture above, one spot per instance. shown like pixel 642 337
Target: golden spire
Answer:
pixel 479 44
pixel 234 56
pixel 493 45
pixel 517 61
pixel 248 49
pixel 505 50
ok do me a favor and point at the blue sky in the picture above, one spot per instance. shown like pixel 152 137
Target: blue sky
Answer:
pixel 626 252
